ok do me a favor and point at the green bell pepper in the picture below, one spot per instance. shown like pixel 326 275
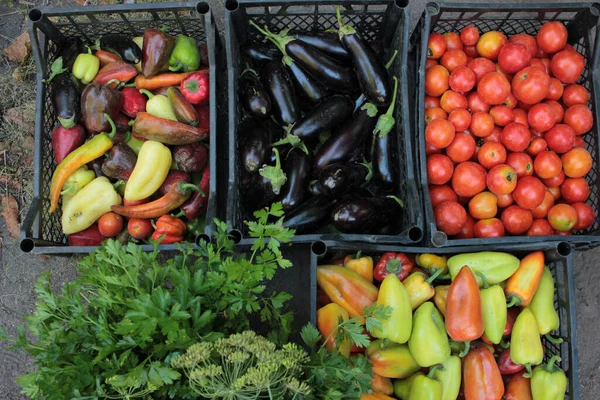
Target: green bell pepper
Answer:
pixel 493 307
pixel 185 55
pixel 428 342
pixel 86 67
pixel 450 377
pixel 542 304
pixel 392 360
pixel 548 381
pixel 495 266
pixel 398 325
pixel 425 387
pixel 525 343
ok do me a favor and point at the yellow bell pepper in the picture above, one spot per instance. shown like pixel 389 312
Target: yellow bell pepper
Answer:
pixel 361 265
pixel 432 262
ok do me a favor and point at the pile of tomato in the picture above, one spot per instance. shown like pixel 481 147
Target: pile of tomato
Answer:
pixel 504 124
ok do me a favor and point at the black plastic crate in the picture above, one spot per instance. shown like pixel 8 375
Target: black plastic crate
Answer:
pixel 580 19
pixel 41 232
pixel 558 257
pixel 385 20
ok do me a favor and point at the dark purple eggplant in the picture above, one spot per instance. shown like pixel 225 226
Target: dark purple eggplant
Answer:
pixel 328 114
pixel 341 178
pixel 362 99
pixel 278 83
pixel 347 139
pixel 306 86
pixel 66 99
pixel 365 215
pixel 256 53
pixel 69 51
pixel 123 46
pixel 314 188
pixel 262 188
pixel 297 170
pixel 311 215
pixel 253 96
pixel 370 69
pixel 254 144
pixel 327 42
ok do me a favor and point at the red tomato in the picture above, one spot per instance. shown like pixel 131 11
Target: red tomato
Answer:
pixel 540 227
pixel 514 57
pixel 516 220
pixel 452 100
pixel 515 137
pixel 482 124
pixel 431 101
pixel 529 193
pixel 575 94
pixel 562 217
pixel 481 67
pixel 547 164
pixel 502 179
pixel 504 200
pixel 488 228
pixel 531 85
pixel 556 89
pixel 476 103
pixel 555 192
pixel 495 136
pixel 552 37
pixel 462 79
pixel 483 205
pixel 491 154
pixel 560 138
pixel 575 190
pixel 439 169
pixel 510 102
pixel 434 113
pixel 580 118
pixel 536 146
pixel 429 149
pixel 436 80
pixel 521 162
pixel 541 117
pixel 439 193
pixel 450 217
pixel 520 116
pixel 471 52
pixel 110 224
pixel 555 181
pixel 579 142
pixel 139 229
pixel 537 63
pixel 453 41
pixel 467 230
pixel 576 162
pixel 567 66
pixel 468 179
pixel 493 88
pixel 469 35
pixel 490 44
pixel 430 62
pixel 527 41
pixel 439 133
pixel 462 147
pixel 436 46
pixel 460 118
pixel 504 73
pixel 558 110
pixel 586 216
pixel 502 115
pixel 541 211
pixel 453 59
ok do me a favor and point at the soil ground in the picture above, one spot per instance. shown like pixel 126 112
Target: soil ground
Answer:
pixel 19 271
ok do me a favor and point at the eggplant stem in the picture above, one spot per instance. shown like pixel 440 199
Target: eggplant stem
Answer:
pixel 369 168
pixel 391 60
pixel 279 41
pixel 400 202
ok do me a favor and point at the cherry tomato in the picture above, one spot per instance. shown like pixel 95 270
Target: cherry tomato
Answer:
pixel 580 118
pixel 514 57
pixel 504 200
pixel 555 181
pixel 541 117
pixel 529 193
pixel 439 169
pixel 468 179
pixel 490 44
pixel 576 162
pixel 467 230
pixel 531 85
pixel 139 229
pixel 488 228
pixel 452 100
pixel 453 41
pixel 469 35
pixel 502 179
pixel 567 66
pixel 547 164
pixel 432 101
pixel 450 217
pixel 110 224
pixel 540 227
pixel 516 220
pixel 527 41
pixel 541 211
pixel 520 116
pixel 586 216
pixel 515 137
pixel 575 190
pixel 502 115
pixel 436 46
pixel 491 154
pixel 560 138
pixel 493 88
pixel 462 79
pixel 556 89
pixel 460 118
pixel 434 113
pixel 562 217
pixel 536 146
pixel 483 205
pixel 439 193
pixel 555 192
pixel 462 147
pixel 521 162
pixel 558 110
pixel 482 124
pixel 476 103
pixel 453 59
pixel 575 94
pixel 439 133
pixel 436 80
pixel 552 37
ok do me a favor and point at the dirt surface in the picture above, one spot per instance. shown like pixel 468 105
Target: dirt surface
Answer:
pixel 19 271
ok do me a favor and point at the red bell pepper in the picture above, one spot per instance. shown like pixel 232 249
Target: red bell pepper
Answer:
pixel 133 102
pixel 173 229
pixel 172 178
pixel 66 140
pixel 87 237
pixel 393 263
pixel 203 117
pixel 195 87
pixel 505 364
pixel 119 70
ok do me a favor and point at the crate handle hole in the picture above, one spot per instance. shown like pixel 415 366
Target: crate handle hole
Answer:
pixel 439 239
pixel 231 5
pixel 401 3
pixel 595 9
pixel 564 249
pixel 432 8
pixel 318 248
pixel 35 15
pixel 27 245
pixel 201 237
pixel 415 234
pixel 203 7
pixel 236 235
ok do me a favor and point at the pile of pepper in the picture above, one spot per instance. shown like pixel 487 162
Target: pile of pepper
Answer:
pixel 131 144
pixel 468 326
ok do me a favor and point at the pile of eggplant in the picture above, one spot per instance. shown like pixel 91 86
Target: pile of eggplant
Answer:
pixel 319 131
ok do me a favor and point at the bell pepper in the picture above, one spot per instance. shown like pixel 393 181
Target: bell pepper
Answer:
pixel 185 112
pixel 398 324
pixel 133 102
pixel 432 262
pixel 96 101
pixel 505 364
pixel 361 265
pixel 464 318
pixel 375 396
pixel 548 381
pixel 393 263
pixel 165 131
pixel 542 304
pixel 525 343
pixel 197 204
pixel 89 204
pixel 495 266
pixel 159 106
pixel 428 341
pixel 66 140
pixel 481 377
pixel 391 360
pixel 120 162
pixel 522 285
pixel 86 67
pixel 420 288
pixel 382 385
pixel 450 377
pixel 106 57
pixel 151 169
pixel 185 55
pixel 173 177
pixel 78 180
pixel 511 317
pixel 172 228
pixel 196 87
pixel 66 98
pixel 191 157
pixel 89 151
pixel 425 387
pixel 87 237
pixel 346 288
pixel 439 298
pixel 117 72
pixel 519 388
pixel 156 49
pixel 493 306
pixel 402 386
pixel 204 117
pixel 328 319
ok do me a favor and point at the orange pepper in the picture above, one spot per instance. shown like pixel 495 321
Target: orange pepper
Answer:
pixel 376 396
pixel 382 385
pixel 523 284
pixel 441 294
pixel 327 322
pixel 361 265
pixel 518 388
pixel 481 377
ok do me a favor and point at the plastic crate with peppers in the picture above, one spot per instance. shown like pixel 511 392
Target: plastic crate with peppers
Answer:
pixel 131 146
pixel 505 119
pixel 468 326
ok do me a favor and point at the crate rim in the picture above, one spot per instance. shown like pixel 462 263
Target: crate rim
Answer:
pixel 138 7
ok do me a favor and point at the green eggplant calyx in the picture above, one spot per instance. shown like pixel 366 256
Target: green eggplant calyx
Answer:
pixel 386 121
pixel 399 201
pixel 293 141
pixel 287 60
pixel 513 301
pixel 274 174
pixel 344 30
pixel 147 93
pixel 437 367
pixel 371 109
pixel 55 69
pixel 434 276
pixel 484 279
pixel 391 60
pixel 554 340
pixel 280 40
pixel 466 349
pixel 357 255
pixel 551 366
pixel 529 372
pixel 67 123
pixel 369 168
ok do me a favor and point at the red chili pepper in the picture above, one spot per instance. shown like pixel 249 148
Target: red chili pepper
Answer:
pixel 133 102
pixel 393 263
pixel 195 87
pixel 173 229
